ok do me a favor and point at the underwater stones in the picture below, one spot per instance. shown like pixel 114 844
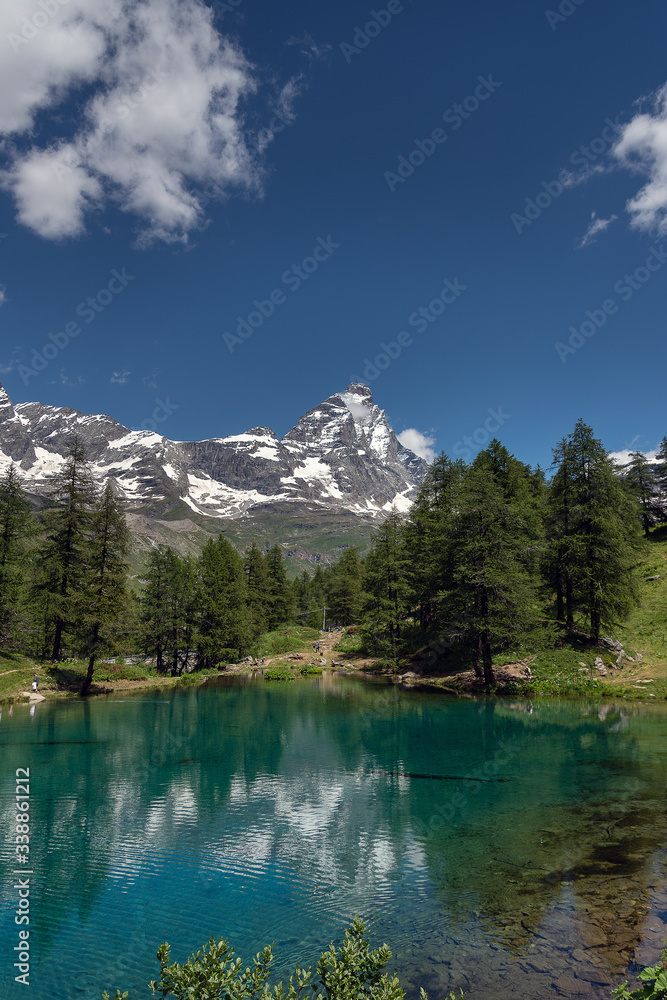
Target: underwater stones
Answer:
pixel 568 986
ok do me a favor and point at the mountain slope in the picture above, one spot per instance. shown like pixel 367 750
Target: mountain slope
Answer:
pixel 333 476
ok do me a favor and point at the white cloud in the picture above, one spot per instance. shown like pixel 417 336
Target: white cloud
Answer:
pixel 64 379
pixel 119 378
pixel 624 457
pixel 596 226
pixel 3 295
pixel 421 444
pixel 164 118
pixel 642 147
pixel 309 48
pixel 571 179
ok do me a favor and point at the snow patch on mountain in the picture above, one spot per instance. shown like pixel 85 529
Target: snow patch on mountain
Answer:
pixel 340 456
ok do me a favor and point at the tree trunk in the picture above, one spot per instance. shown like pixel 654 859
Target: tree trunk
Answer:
pixel 489 676
pixel 89 676
pixel 569 606
pixel 476 657
pixel 57 640
pixel 560 599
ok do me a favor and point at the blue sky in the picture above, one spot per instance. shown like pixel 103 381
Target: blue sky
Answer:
pixel 213 216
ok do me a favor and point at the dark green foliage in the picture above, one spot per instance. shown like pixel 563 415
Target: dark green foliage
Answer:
pixel 279 674
pixel 311 594
pixel 105 597
pixel 485 546
pixel 654 979
pixel 350 972
pixel 280 599
pixel 386 585
pixel 62 556
pixel 224 621
pixel 661 466
pixel 642 482
pixel 169 604
pixel 496 535
pixel 257 579
pixel 344 591
pixel 594 531
pixel 16 528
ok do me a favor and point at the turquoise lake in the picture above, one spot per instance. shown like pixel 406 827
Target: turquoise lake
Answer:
pixel 512 850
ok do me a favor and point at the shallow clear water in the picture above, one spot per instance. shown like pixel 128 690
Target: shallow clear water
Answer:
pixel 511 850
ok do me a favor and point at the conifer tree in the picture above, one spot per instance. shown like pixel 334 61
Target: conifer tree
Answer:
pixel 156 603
pixel 642 481
pixel 106 595
pixel 661 468
pixel 559 561
pixel 280 596
pixel 16 526
pixel 63 554
pixel 386 586
pixel 257 579
pixel 497 535
pixel 428 538
pixel 224 627
pixel 598 539
pixel 345 595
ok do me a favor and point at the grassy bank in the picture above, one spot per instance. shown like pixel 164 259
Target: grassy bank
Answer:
pixel 63 680
pixel 567 666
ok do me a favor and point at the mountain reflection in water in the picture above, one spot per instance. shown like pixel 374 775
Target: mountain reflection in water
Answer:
pixel 512 853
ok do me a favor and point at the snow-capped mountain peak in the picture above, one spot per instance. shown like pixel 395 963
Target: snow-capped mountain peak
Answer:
pixel 340 456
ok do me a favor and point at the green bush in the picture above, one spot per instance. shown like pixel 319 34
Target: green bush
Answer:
pixel 351 972
pixel 310 671
pixel 654 978
pixel 276 674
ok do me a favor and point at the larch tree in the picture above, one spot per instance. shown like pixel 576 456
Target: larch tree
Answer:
pixel 257 579
pixel 601 538
pixel 643 483
pixel 385 584
pixel 16 527
pixel 224 626
pixel 106 594
pixel 496 541
pixel 345 594
pixel 280 594
pixel 63 555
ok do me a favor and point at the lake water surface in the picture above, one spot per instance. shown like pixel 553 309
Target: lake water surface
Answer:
pixel 508 849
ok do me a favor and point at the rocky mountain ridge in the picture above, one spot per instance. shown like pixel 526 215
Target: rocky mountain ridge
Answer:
pixel 341 461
